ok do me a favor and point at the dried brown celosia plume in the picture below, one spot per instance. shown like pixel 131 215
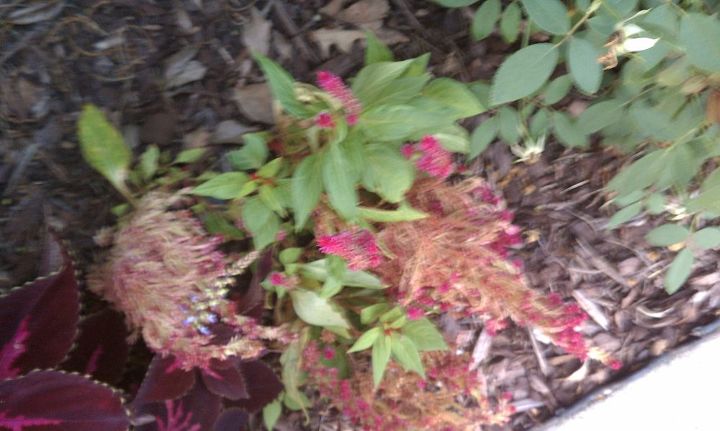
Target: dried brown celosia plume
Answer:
pixel 456 260
pixel 168 277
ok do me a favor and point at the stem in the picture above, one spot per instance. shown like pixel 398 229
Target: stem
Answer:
pixel 593 7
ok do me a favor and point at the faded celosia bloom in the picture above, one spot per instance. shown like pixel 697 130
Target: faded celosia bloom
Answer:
pixel 324 120
pixel 170 280
pixel 433 159
pixel 357 247
pixel 451 397
pixel 334 85
pixel 455 261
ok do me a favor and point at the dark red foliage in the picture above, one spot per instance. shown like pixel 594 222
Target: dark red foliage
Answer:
pixel 164 380
pixel 263 386
pixel 232 419
pixel 60 402
pixel 38 320
pixel 100 351
pixel 226 380
pixel 196 411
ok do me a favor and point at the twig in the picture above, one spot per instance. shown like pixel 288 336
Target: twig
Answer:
pixel 293 31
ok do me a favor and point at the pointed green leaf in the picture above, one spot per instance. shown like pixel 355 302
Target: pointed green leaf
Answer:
pixel 252 155
pixel 315 310
pixel 482 136
pixel 585 69
pixel 366 340
pixel 485 18
pixel 523 73
pixel 376 51
pixel 403 213
pixel 510 23
pixel 380 357
pixel 306 188
pixel 339 182
pixel 406 353
pixel 707 238
pixel 425 335
pixel 624 215
pixel 103 147
pixel 371 313
pixel 453 95
pixel 262 223
pixel 191 155
pixel 679 271
pixel 149 162
pixel 224 186
pixel 387 172
pixel 699 34
pixel 271 414
pixel 667 234
pixel 282 86
pixel 550 15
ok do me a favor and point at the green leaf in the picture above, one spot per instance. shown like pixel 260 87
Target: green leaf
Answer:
pixel 271 168
pixel 271 414
pixel 290 255
pixel 640 174
pixel 399 122
pixel 224 186
pixel 403 213
pixel 366 340
pixel 453 138
pixel 262 223
pixel 316 310
pixel 406 353
pixel 252 155
pixel 485 18
pixel 600 115
pixel 699 34
pixel 376 51
pixel 624 215
pixel 272 199
pixel 189 156
pixel 292 373
pixel 380 357
pixel 585 69
pixel 317 270
pixel 306 188
pixel 331 287
pixel 425 335
pixel 509 124
pixel 510 23
pixel 387 172
pixel 455 3
pixel 707 238
pixel 679 271
pixel 482 136
pixel 523 73
pixel 370 313
pixel 453 95
pixel 339 182
pixel 103 147
pixel 655 203
pixel 539 123
pixel 373 81
pixel 567 131
pixel 149 162
pixel 549 15
pixel 667 234
pixel 557 89
pixel 282 86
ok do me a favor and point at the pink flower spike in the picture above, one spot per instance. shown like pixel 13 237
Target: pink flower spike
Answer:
pixel 357 247
pixel 325 121
pixel 415 313
pixel 334 85
pixel 329 353
pixel 435 160
pixel 279 279
pixel 407 150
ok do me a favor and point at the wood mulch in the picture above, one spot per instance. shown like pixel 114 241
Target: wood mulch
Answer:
pixel 179 74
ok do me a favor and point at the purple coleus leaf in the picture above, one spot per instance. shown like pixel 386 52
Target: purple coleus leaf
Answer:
pixel 263 386
pixel 196 411
pixel 56 401
pixel 225 379
pixel 164 380
pixel 100 349
pixel 232 419
pixel 252 302
pixel 38 320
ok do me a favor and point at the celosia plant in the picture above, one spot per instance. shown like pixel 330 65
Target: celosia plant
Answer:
pixel 364 244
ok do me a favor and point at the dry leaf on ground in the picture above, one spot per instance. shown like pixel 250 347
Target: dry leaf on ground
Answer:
pixel 343 39
pixel 256 33
pixel 255 102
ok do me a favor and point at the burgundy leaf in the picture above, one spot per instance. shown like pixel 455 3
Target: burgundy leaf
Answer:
pixel 38 320
pixel 225 381
pixel 251 304
pixel 56 401
pixel 101 349
pixel 164 380
pixel 233 419
pixel 262 384
pixel 196 411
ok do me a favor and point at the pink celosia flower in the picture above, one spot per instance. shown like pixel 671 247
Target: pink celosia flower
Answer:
pixel 357 247
pixel 328 353
pixel 415 313
pixel 434 159
pixel 334 85
pixel 279 279
pixel 325 121
pixel 170 279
